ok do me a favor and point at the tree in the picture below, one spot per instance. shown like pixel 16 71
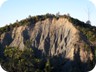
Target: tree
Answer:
pixel 20 61
pixel 88 22
pixel 68 14
pixel 57 14
pixel 29 17
pixel 48 67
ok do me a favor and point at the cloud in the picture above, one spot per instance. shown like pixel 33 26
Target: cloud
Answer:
pixel 2 2
pixel 93 1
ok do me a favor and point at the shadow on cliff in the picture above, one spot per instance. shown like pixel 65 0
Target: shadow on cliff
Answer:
pixel 61 64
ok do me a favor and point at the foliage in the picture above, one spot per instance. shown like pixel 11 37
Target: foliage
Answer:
pixel 88 22
pixel 19 61
pixel 24 61
pixel 48 67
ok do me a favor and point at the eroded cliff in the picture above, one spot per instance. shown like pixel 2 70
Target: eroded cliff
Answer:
pixel 53 37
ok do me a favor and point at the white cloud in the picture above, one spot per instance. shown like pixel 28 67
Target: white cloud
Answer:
pixel 2 2
pixel 93 1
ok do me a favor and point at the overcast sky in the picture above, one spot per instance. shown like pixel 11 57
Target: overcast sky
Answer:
pixel 12 10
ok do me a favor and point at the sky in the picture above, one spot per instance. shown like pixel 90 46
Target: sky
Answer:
pixel 12 10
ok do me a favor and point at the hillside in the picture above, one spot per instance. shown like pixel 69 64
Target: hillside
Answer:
pixel 53 43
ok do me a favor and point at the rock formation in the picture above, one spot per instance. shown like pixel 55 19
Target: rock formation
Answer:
pixel 53 37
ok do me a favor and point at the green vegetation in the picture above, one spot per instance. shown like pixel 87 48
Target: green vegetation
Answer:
pixel 87 29
pixel 19 61
pixel 23 61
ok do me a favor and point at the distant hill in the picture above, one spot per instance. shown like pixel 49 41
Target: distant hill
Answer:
pixel 60 43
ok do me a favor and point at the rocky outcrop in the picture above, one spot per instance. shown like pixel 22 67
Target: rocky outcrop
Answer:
pixel 53 37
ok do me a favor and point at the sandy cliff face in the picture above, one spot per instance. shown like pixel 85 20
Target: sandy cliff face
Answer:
pixel 52 37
